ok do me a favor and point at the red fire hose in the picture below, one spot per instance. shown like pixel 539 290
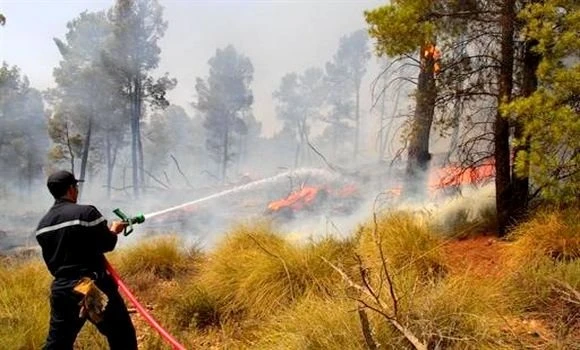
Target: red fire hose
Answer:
pixel 166 336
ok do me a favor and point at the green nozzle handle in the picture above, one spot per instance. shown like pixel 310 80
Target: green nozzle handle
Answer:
pixel 137 219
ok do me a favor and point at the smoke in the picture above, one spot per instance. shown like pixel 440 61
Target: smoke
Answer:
pixel 474 210
pixel 178 171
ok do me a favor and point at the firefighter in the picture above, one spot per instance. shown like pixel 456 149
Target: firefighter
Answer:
pixel 73 238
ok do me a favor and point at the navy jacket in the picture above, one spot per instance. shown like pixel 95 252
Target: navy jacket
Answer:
pixel 73 238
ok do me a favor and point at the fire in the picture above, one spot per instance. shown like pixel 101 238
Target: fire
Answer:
pixel 454 176
pixel 309 197
pixel 296 200
pixel 432 52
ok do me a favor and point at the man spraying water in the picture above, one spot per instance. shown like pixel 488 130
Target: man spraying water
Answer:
pixel 73 239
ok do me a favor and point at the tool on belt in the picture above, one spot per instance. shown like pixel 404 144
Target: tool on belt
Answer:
pixel 94 300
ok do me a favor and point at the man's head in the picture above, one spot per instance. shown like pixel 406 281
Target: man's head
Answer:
pixel 63 184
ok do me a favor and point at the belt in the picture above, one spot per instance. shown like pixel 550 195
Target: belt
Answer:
pixel 94 275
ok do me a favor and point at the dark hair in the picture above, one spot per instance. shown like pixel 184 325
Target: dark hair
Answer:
pixel 58 190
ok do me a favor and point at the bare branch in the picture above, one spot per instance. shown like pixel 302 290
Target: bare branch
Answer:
pixel 181 172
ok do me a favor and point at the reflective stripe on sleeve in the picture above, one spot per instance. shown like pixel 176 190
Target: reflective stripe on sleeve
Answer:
pixel 70 223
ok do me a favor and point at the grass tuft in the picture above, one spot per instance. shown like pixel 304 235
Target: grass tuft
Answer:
pixel 162 257
pixel 407 243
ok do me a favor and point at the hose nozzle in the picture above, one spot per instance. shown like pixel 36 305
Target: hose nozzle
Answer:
pixel 137 219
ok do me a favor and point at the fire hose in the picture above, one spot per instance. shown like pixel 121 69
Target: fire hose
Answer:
pixel 125 290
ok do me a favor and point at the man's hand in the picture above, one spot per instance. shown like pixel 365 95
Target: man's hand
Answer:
pixel 118 226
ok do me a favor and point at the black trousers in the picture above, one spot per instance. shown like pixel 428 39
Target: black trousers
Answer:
pixel 65 323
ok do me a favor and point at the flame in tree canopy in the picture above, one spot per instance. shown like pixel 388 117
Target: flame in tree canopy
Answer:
pixel 431 52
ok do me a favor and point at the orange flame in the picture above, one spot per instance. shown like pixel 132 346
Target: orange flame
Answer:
pixel 296 200
pixel 432 52
pixel 457 176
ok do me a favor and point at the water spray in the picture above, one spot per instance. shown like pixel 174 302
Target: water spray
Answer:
pixel 140 218
pixel 248 186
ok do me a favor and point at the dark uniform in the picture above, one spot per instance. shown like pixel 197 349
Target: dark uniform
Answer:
pixel 73 238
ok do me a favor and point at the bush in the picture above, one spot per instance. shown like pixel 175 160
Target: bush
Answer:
pixel 459 312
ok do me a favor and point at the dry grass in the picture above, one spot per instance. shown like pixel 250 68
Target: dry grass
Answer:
pixel 406 243
pixel 459 312
pixel 24 305
pixel 545 260
pixel 314 323
pixel 256 290
pixel 468 215
pixel 164 257
pixel 555 234
pixel 256 272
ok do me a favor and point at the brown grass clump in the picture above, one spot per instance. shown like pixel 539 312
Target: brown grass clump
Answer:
pixel 189 306
pixel 459 312
pixel 405 241
pixel 256 272
pixel 162 257
pixel 545 282
pixel 555 234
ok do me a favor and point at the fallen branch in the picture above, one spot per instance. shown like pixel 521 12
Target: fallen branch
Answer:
pixel 568 292
pixel 155 179
pixel 407 333
pixel 366 329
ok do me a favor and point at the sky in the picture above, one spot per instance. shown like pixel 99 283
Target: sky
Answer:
pixel 278 36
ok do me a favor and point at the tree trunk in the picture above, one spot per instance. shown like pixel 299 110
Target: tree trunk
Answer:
pixel 357 122
pixel 85 156
pixel 334 142
pixel 381 136
pixel 225 146
pixel 503 187
pixel 139 102
pixel 109 163
pixel 418 149
pixel 111 150
pixel 134 138
pixel 529 85
pixel 70 151
pixel 303 146
pixel 458 53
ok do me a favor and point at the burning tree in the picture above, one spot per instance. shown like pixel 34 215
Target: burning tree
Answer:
pixel 493 67
pixel 419 37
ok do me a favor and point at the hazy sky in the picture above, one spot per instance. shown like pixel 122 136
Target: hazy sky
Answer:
pixel 278 36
